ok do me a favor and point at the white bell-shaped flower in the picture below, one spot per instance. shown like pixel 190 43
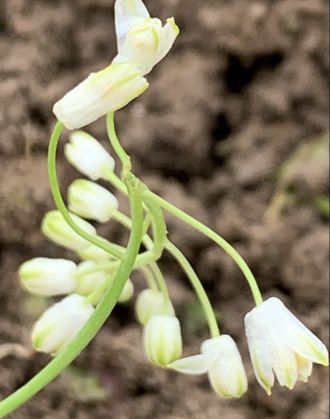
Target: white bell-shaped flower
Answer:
pixel 60 324
pixel 221 360
pixel 58 230
pixel 105 91
pixel 90 200
pixel 48 277
pixel 88 156
pixel 162 340
pixel 280 344
pixel 149 303
pixel 140 38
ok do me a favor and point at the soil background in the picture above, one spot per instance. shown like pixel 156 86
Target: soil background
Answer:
pixel 233 129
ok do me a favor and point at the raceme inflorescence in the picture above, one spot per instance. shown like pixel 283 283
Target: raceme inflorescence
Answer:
pixel 280 345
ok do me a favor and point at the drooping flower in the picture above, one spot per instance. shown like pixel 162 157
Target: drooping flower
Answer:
pixel 162 340
pixel 281 345
pixel 90 200
pixel 150 303
pixel 140 38
pixel 55 227
pixel 48 277
pixel 221 360
pixel 60 324
pixel 88 156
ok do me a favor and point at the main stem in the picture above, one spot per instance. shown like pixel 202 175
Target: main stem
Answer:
pixel 102 312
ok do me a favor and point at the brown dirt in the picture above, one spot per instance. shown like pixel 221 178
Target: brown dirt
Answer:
pixel 244 88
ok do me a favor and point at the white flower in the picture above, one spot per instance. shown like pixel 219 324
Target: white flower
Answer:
pixel 48 277
pixel 88 156
pixel 105 91
pixel 94 253
pixel 127 292
pixel 140 38
pixel 222 361
pixel 90 200
pixel 280 344
pixel 58 230
pixel 150 303
pixel 89 283
pixel 60 324
pixel 96 283
pixel 162 340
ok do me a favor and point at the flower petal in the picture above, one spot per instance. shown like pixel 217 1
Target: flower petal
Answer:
pixel 168 35
pixel 226 373
pixel 283 360
pixel 128 13
pixel 295 334
pixel 259 350
pixel 194 365
pixel 305 367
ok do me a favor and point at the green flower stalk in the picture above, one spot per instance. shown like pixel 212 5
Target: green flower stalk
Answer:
pixel 280 345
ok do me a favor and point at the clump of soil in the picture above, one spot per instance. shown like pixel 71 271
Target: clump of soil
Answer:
pixel 220 133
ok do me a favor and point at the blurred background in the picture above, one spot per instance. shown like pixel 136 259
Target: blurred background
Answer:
pixel 234 130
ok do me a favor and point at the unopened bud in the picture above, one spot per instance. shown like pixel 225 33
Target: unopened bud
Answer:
pixel 48 277
pixel 88 156
pixel 58 230
pixel 150 303
pixel 90 200
pixel 162 340
pixel 60 324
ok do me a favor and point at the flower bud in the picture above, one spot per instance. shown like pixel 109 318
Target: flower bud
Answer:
pixel 88 283
pixel 88 156
pixel 90 200
pixel 94 253
pixel 105 91
pixel 226 372
pixel 127 292
pixel 162 340
pixel 48 277
pixel 150 303
pixel 60 324
pixel 58 230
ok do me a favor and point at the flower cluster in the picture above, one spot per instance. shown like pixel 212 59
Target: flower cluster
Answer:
pixel 142 42
pixel 280 345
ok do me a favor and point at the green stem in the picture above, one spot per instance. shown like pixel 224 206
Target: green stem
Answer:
pixel 189 271
pixel 198 287
pixel 111 248
pixel 102 312
pixel 121 153
pixel 232 252
pixel 149 276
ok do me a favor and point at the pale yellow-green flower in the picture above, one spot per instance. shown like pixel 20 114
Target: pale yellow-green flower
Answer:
pixel 221 360
pixel 281 345
pixel 162 340
pixel 90 200
pixel 88 156
pixel 48 277
pixel 58 230
pixel 140 38
pixel 60 324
